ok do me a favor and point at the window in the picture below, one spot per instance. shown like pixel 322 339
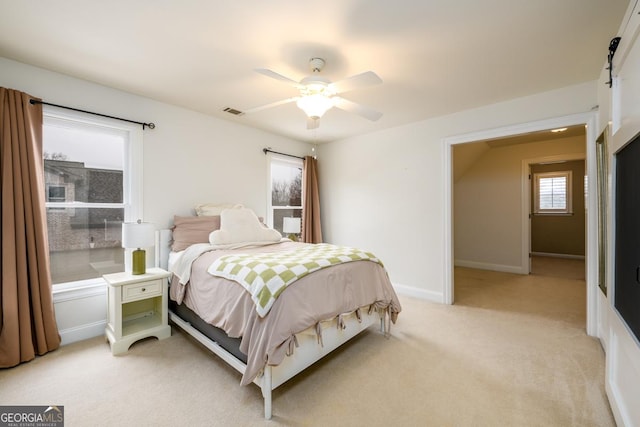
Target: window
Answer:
pixel 56 193
pixel 552 193
pixel 285 187
pixel 89 188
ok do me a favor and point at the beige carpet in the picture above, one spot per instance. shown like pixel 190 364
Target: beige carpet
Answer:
pixel 512 351
pixel 558 267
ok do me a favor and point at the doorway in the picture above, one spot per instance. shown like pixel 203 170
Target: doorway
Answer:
pixel 524 264
pixel 558 218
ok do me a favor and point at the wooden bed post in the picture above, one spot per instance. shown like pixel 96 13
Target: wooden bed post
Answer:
pixel 266 391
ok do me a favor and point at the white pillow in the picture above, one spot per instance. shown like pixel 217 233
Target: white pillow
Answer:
pixel 239 225
pixel 213 209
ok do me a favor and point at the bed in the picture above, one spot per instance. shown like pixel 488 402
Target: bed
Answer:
pixel 304 321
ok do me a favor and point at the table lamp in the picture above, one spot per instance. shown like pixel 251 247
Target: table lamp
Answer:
pixel 138 235
pixel 291 226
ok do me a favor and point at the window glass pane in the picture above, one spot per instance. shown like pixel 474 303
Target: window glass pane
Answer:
pixel 83 163
pixel 96 146
pixel 286 184
pixel 84 243
pixel 553 193
pixel 279 214
pixel 87 160
pixel 56 193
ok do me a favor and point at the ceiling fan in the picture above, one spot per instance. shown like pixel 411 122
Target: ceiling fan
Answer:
pixel 318 94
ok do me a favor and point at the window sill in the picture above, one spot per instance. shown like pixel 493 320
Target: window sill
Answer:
pixel 79 290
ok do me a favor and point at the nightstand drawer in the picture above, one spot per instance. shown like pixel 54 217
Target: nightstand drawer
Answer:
pixel 141 290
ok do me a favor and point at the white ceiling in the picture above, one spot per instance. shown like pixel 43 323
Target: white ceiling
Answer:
pixel 435 56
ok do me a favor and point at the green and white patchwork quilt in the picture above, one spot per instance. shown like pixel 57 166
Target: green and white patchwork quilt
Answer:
pixel 266 275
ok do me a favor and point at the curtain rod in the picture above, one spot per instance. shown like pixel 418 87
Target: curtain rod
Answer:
pixel 149 125
pixel 268 150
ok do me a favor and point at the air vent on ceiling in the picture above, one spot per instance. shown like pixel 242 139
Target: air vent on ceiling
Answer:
pixel 233 111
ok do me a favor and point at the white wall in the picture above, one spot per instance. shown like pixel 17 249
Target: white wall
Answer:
pixel 488 204
pixel 189 158
pixel 385 191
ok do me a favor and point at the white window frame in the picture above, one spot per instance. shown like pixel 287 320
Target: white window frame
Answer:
pixel 285 160
pixel 132 174
pixel 568 209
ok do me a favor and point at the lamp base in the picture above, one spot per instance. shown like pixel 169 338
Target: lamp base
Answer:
pixel 139 262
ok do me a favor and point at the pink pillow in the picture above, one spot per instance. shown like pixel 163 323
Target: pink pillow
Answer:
pixel 188 230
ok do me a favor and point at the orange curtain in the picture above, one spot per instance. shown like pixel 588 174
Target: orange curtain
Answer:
pixel 27 319
pixel 311 228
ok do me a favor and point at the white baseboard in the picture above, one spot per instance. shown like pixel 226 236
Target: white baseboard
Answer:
pixel 413 292
pixel 516 269
pixel 551 255
pixel 82 332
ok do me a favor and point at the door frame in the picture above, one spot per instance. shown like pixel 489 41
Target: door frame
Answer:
pixel 590 120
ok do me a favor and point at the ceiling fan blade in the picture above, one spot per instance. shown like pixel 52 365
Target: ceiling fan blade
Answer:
pixel 273 104
pixel 313 123
pixel 277 76
pixel 352 107
pixel 368 78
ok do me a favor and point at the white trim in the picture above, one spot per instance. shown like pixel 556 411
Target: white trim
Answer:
pixel 629 29
pixel 515 269
pixel 621 365
pixel 552 255
pixel 511 130
pixel 419 293
pixel 591 229
pixel 74 205
pixel 568 192
pixel 590 119
pixel 79 290
pixel 132 171
pixel 269 217
pixel 136 175
pixel 623 348
pixel 447 229
pixel 82 332
pixel 274 158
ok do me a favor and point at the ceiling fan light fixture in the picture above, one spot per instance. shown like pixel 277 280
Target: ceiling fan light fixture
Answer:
pixel 315 105
pixel 318 94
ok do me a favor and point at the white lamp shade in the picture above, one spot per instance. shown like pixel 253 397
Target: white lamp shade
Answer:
pixel 137 235
pixel 315 105
pixel 291 225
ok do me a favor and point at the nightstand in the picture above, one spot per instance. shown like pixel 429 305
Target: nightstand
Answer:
pixel 137 308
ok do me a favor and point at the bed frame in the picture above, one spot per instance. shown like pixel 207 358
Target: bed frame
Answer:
pixel 307 353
